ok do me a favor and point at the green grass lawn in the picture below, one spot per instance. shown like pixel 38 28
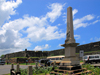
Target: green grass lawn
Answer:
pixel 6 74
pixel 23 64
pixel 81 60
pixel 24 57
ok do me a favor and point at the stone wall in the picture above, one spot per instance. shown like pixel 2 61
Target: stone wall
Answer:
pixel 56 52
pixel 86 47
pixel 27 53
pixel 16 54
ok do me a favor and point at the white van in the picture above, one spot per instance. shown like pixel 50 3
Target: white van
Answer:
pixel 91 58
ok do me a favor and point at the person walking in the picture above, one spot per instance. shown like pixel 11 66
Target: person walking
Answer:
pixel 26 62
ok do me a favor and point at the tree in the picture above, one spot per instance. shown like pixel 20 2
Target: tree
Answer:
pixel 2 56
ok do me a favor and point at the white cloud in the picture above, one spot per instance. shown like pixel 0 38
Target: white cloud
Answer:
pixel 10 41
pixel 65 15
pixel 95 21
pixel 43 33
pixel 91 39
pixel 36 28
pixel 97 39
pixel 98 16
pixel 7 9
pixel 56 11
pixel 59 24
pixel 59 45
pixel 80 22
pixel 74 12
pixel 46 46
pixel 38 48
pixel 77 37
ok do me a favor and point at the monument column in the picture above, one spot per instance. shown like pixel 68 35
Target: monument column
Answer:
pixel 70 45
pixel 70 35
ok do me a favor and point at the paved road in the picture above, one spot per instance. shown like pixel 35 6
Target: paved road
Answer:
pixel 5 69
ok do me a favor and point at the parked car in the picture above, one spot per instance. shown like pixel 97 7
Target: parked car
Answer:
pixel 91 58
pixel 44 62
pixel 2 61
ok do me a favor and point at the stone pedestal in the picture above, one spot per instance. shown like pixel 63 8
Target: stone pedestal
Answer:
pixel 70 56
pixel 70 61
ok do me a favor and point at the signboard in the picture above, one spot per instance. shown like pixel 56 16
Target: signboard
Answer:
pixel 81 53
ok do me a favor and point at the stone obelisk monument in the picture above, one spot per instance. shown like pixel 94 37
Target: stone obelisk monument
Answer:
pixel 70 45
pixel 70 64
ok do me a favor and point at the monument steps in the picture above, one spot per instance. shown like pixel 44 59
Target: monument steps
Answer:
pixel 69 67
pixel 56 73
pixel 71 72
pixel 85 72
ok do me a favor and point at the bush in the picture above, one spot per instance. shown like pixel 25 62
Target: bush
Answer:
pixel 38 71
pixel 95 70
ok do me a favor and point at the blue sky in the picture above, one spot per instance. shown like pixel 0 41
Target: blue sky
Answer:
pixel 41 24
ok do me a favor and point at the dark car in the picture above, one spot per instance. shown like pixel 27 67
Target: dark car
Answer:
pixel 49 63
pixel 44 62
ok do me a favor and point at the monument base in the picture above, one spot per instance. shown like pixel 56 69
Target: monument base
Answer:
pixel 70 61
pixel 70 66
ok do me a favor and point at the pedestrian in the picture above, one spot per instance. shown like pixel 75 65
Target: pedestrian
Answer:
pixel 26 62
pixel 7 62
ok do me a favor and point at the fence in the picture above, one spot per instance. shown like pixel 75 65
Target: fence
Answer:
pixel 29 70
pixel 17 72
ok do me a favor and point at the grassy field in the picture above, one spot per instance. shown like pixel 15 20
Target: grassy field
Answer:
pixel 24 57
pixel 23 64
